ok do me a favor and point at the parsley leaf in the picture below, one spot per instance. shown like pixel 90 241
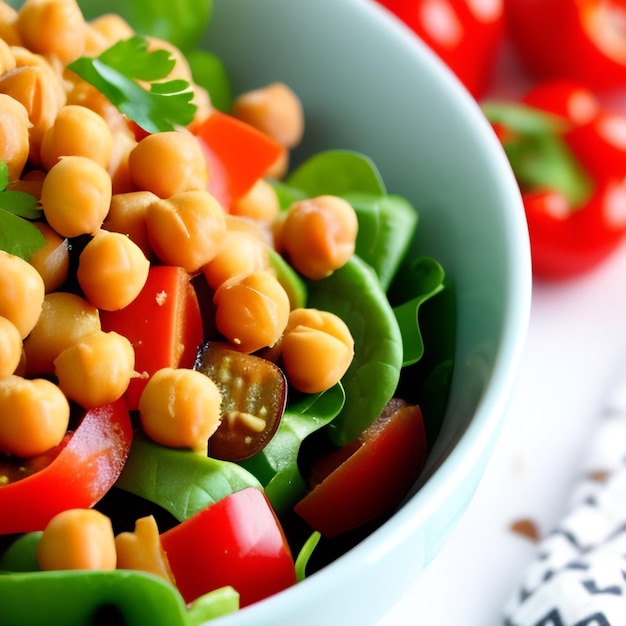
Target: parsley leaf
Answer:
pixel 17 235
pixel 118 73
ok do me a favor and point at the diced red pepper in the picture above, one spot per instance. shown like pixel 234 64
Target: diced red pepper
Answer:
pixel 369 477
pixel 163 324
pixel 237 541
pixel 76 474
pixel 237 154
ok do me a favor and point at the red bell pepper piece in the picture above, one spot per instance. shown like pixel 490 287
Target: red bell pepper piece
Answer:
pixel 580 40
pixel 571 168
pixel 163 324
pixel 237 154
pixel 75 474
pixel 368 478
pixel 237 541
pixel 465 34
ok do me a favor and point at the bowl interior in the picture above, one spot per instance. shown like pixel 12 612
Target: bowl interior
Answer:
pixel 369 85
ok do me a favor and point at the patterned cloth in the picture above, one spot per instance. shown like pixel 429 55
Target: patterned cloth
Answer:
pixel 579 575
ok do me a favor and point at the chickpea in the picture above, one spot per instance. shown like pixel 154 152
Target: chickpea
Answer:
pixel 80 539
pixel 49 95
pixel 186 229
pixel 142 550
pixel 260 203
pixel 34 415
pixel 10 347
pixel 112 270
pixel 97 369
pixel 280 167
pixel 80 131
pixel 168 163
pixel 8 24
pixel 319 235
pixel 76 195
pixel 31 182
pixel 260 229
pixel 275 110
pixel 239 253
pixel 106 30
pixel 113 27
pixel 14 135
pixel 181 67
pixel 7 60
pixel 123 144
pixel 22 292
pixel 52 28
pixel 65 318
pixel 52 260
pixel 83 94
pixel 34 84
pixel 128 214
pixel 317 349
pixel 251 310
pixel 180 408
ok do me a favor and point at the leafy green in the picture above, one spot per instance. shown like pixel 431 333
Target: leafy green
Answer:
pixel 209 72
pixel 276 466
pixel 117 73
pixel 181 22
pixel 180 481
pixel 337 172
pixel 428 277
pixel 537 152
pixel 222 601
pixel 305 553
pixel 21 555
pixel 289 279
pixel 18 236
pixel 386 228
pixel 62 597
pixel 354 294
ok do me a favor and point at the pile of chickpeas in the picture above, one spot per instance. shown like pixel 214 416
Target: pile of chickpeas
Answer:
pixel 141 201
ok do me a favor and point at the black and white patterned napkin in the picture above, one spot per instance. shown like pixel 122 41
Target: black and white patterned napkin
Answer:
pixel 579 575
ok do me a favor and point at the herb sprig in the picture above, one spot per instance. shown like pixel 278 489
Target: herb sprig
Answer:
pixel 133 77
pixel 18 235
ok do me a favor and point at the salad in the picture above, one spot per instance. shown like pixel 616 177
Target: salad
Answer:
pixel 222 369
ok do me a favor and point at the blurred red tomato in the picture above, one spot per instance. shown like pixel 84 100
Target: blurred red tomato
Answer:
pixel 465 34
pixel 581 40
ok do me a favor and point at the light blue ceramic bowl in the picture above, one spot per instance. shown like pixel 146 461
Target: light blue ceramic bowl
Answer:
pixel 368 84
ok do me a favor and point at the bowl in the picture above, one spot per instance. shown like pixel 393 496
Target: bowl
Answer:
pixel 368 84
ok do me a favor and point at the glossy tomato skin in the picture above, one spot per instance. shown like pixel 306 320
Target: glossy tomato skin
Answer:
pixel 581 40
pixel 465 34
pixel 565 245
pixel 237 541
pixel 569 238
pixel 600 145
pixel 566 98
pixel 367 478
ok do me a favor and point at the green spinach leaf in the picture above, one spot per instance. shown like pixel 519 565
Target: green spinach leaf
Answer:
pixel 180 481
pixel 354 294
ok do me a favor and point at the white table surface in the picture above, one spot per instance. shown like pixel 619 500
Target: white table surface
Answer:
pixel 575 349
